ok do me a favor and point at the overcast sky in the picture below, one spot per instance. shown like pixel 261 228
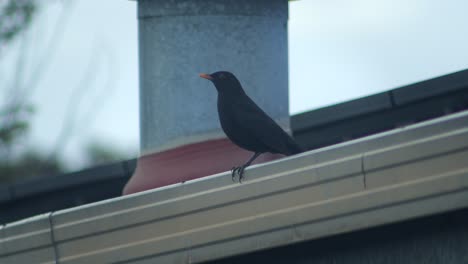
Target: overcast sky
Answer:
pixel 338 50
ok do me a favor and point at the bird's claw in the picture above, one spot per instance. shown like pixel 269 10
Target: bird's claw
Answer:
pixel 239 171
pixel 233 173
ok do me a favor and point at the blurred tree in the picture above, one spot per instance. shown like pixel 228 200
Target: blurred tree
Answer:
pixel 29 165
pixel 98 152
pixel 14 123
pixel 15 17
pixel 16 112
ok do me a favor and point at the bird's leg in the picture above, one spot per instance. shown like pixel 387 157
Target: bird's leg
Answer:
pixel 240 169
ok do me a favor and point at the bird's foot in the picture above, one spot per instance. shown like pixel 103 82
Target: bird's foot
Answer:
pixel 233 173
pixel 240 171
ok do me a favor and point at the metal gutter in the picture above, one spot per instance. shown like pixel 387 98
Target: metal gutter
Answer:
pixel 402 174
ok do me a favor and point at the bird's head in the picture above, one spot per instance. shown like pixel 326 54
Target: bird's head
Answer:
pixel 225 82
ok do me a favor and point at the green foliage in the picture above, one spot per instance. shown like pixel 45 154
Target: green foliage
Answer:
pixel 15 16
pixel 15 114
pixel 97 152
pixel 29 165
pixel 14 123
pixel 16 163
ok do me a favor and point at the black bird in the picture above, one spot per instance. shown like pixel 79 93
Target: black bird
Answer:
pixel 246 124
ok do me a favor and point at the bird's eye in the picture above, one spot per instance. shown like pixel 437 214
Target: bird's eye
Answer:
pixel 221 76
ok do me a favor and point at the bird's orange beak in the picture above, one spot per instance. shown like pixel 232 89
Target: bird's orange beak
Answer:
pixel 206 76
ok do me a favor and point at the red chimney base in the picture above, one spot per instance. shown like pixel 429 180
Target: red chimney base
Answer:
pixel 189 162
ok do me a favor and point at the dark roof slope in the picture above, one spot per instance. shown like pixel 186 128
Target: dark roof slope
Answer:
pixel 380 112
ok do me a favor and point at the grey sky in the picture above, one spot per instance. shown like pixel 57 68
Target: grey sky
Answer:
pixel 339 50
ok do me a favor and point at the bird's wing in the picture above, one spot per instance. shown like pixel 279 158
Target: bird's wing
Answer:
pixel 264 128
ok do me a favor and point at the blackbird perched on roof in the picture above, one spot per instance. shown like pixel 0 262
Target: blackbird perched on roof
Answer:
pixel 246 124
